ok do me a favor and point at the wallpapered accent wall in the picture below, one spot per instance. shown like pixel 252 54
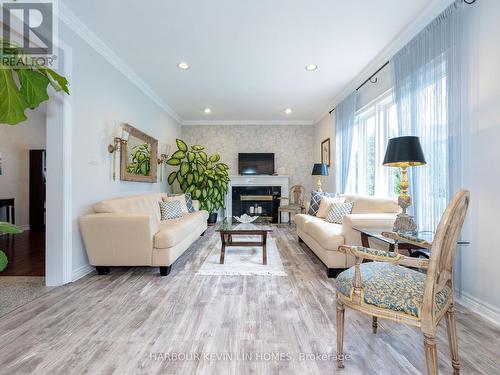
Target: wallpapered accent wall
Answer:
pixel 292 145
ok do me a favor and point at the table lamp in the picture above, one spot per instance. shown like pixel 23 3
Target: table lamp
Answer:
pixel 404 152
pixel 320 169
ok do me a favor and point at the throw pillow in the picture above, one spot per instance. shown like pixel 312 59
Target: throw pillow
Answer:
pixel 316 200
pixel 181 198
pixel 170 210
pixel 325 204
pixel 188 199
pixel 338 211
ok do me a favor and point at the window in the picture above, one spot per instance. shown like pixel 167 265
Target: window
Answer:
pixel 375 124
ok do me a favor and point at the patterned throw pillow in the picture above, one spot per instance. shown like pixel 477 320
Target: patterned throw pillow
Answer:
pixel 316 201
pixel 170 210
pixel 338 211
pixel 187 197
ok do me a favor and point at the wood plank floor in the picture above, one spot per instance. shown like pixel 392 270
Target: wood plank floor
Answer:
pixel 129 320
pixel 26 253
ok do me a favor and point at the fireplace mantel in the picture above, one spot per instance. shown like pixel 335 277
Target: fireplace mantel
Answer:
pixel 238 180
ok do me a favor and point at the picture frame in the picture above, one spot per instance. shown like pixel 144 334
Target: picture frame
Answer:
pixel 139 156
pixel 325 152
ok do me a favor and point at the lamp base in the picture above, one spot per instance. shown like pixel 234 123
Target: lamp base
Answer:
pixel 405 224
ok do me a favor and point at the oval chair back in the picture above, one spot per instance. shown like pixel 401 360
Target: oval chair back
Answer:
pixel 440 270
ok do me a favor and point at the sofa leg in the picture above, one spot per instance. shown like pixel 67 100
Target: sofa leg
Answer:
pixel 301 240
pixel 333 272
pixel 102 270
pixel 164 271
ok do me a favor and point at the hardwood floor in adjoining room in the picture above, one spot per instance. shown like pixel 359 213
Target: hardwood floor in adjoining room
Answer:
pixel 26 253
pixel 129 321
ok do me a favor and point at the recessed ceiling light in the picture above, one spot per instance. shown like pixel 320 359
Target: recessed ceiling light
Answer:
pixel 183 66
pixel 207 110
pixel 311 67
pixel 288 111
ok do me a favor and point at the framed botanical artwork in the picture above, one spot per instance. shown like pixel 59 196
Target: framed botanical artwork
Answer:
pixel 139 160
pixel 325 152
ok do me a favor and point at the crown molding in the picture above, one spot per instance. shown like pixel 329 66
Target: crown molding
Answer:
pixel 246 122
pixel 407 34
pixel 96 43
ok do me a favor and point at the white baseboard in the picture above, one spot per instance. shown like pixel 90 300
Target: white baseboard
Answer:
pixel 82 271
pixel 485 310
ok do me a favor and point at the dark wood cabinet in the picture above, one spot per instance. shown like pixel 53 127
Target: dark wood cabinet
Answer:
pixel 37 189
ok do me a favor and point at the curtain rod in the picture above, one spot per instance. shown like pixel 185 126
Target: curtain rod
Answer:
pixel 368 80
pixel 468 2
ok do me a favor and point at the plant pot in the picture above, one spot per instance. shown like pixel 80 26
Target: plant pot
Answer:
pixel 212 218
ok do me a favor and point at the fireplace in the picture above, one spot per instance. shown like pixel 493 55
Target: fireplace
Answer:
pixel 262 201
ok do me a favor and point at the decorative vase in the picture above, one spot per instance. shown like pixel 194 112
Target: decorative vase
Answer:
pixel 212 218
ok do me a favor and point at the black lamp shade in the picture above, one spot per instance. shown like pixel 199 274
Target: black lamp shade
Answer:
pixel 404 152
pixel 320 170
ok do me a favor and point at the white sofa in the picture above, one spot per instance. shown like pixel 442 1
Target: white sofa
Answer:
pixel 128 231
pixel 324 238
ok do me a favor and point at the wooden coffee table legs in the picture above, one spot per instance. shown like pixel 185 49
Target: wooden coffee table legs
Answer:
pixel 227 240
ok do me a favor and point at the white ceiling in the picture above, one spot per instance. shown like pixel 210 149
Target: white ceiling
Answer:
pixel 247 57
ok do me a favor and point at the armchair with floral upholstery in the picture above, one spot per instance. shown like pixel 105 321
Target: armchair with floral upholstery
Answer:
pixel 386 288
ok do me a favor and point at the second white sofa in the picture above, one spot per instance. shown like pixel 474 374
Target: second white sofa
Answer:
pixel 324 238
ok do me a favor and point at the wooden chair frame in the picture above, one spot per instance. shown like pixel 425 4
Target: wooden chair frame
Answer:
pixel 297 194
pixel 439 275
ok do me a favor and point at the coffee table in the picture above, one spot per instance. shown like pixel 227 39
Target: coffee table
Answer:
pixel 228 230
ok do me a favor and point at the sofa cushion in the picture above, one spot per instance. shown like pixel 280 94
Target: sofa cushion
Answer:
pixel 171 210
pixel 338 211
pixel 327 234
pixel 174 231
pixel 181 198
pixel 373 205
pixel 391 287
pixel 316 200
pixel 326 204
pixel 301 219
pixel 135 204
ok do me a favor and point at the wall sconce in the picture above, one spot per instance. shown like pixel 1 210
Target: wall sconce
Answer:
pixel 121 137
pixel 165 150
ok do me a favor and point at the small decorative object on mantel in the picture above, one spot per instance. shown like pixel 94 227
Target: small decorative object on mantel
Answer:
pixel 245 219
pixel 325 152
pixel 319 169
pixel 404 152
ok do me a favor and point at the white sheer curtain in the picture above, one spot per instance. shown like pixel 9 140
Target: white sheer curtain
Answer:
pixel 345 115
pixel 427 92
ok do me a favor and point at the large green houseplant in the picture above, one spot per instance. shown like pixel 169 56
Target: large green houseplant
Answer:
pixel 8 229
pixel 23 87
pixel 203 176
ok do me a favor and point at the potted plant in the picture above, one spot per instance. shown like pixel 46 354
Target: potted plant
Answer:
pixel 203 176
pixel 9 229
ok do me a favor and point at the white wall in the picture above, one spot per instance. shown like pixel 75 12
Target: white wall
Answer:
pixel 101 95
pixel 322 130
pixel 15 143
pixel 481 260
pixel 291 144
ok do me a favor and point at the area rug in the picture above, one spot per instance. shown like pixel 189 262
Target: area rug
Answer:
pixel 244 260
pixel 16 291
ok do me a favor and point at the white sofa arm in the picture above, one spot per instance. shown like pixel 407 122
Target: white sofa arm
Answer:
pixel 375 222
pixel 196 205
pixel 119 239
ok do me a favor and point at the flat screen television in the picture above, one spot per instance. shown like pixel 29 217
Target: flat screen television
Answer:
pixel 256 163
